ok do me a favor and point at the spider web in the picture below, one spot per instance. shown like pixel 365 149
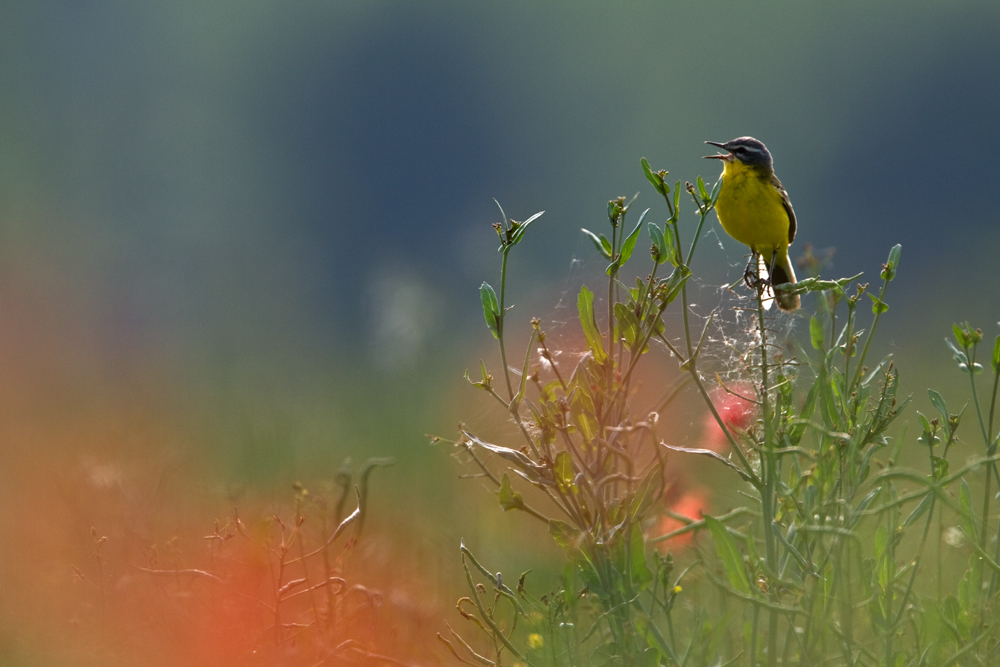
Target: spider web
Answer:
pixel 727 313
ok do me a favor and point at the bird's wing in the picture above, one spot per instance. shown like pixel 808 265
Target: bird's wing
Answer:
pixel 787 203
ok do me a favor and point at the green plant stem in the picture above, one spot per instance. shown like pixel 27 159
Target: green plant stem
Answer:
pixel 848 341
pixel 993 403
pixel 990 451
pixel 655 631
pixel 868 339
pixel 847 607
pixel 770 476
pixel 635 354
pixel 755 480
pixel 699 524
pixel 500 327
pixel 327 573
pixel 916 561
pixel 309 584
pixel 496 482
pixel 970 354
pixel 552 361
pixel 697 232
pixel 611 303
pixel 687 265
pixel 497 632
pixel 647 293
pixel 890 554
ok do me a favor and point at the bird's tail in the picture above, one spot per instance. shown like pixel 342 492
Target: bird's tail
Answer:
pixel 782 274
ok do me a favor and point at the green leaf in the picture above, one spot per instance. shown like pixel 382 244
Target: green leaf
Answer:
pixel 628 326
pixel 486 382
pixel 752 558
pixel 628 245
pixel 566 536
pixel 938 402
pixel 647 170
pixel 928 435
pixel 862 506
pixel 674 283
pixel 811 284
pixel 716 189
pixel 582 411
pixel 961 358
pixel 533 470
pixel 889 272
pixel 670 238
pixel 878 306
pixel 522 226
pixel 641 575
pixel 585 307
pixel 924 424
pixel 971 585
pixel 816 333
pixel 919 509
pixel 502 214
pixel 548 392
pixel 966 515
pixel 607 654
pixel 883 558
pixel 996 357
pixel 650 657
pixel 660 243
pixel 491 308
pixel 565 473
pixel 509 499
pixel 730 556
pixel 646 494
pixel 961 335
pixel 868 576
pixel 881 538
pixel 940 467
pixel 952 611
pixel 828 573
pixel 654 178
pixel 705 197
pixel 601 242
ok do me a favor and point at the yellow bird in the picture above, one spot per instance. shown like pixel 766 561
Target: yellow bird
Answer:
pixel 754 209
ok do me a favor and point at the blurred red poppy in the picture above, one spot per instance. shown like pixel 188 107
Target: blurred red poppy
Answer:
pixel 735 409
pixel 691 504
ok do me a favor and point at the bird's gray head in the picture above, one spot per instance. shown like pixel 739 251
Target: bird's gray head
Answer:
pixel 747 150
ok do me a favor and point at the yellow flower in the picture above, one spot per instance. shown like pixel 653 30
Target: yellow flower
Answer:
pixel 535 640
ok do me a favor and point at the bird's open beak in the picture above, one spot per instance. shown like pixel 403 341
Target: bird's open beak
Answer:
pixel 727 156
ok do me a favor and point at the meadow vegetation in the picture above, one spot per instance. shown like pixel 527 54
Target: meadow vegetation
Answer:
pixel 830 532
pixel 856 540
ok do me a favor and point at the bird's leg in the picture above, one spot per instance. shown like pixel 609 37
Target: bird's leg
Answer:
pixel 770 269
pixel 750 274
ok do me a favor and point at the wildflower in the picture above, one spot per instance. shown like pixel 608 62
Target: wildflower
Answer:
pixel 690 505
pixel 735 409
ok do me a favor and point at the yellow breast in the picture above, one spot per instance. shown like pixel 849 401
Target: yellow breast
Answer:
pixel 750 208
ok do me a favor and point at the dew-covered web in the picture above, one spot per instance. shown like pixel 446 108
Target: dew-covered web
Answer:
pixel 725 312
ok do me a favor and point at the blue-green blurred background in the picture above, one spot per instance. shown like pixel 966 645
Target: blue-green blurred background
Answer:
pixel 251 234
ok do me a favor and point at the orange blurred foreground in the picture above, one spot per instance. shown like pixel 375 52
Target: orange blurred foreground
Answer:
pixel 118 548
